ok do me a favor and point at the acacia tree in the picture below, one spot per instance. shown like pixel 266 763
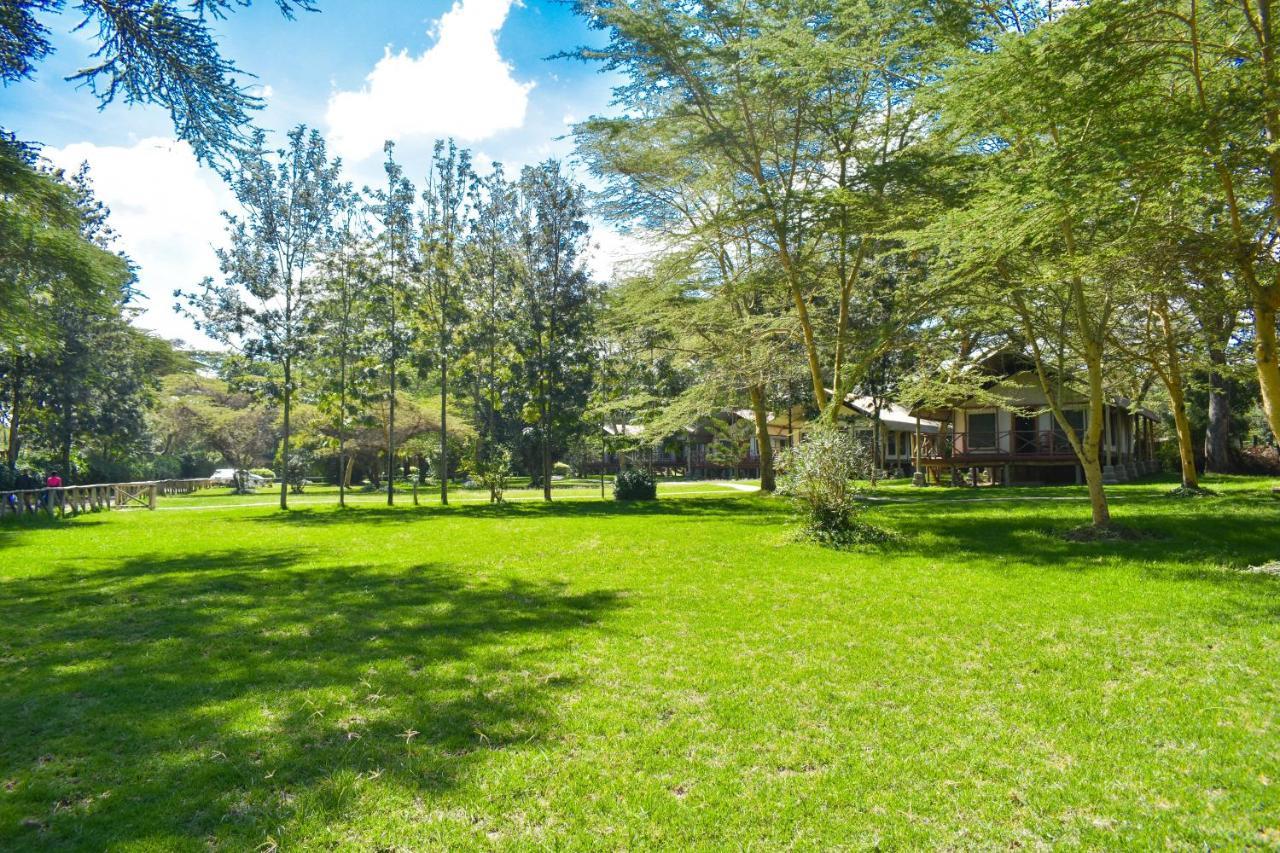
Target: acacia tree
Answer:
pixel 443 220
pixel 393 262
pixel 264 305
pixel 712 292
pixel 1203 107
pixel 1058 187
pixel 805 110
pixel 240 428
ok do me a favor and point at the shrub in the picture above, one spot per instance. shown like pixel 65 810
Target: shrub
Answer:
pixel 819 475
pixel 265 473
pixel 166 468
pixel 494 471
pixel 635 484
pixel 296 469
pixel 560 469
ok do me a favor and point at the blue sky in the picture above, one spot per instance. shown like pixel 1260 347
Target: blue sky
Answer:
pixel 358 71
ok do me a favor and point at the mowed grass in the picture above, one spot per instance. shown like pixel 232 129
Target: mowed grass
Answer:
pixel 679 674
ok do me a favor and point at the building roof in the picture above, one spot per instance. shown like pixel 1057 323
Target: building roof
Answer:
pixel 625 430
pixel 891 414
pixel 1021 389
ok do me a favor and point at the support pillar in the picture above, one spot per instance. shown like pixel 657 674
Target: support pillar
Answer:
pixel 917 476
pixel 1109 475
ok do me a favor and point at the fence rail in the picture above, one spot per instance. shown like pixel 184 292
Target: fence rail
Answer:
pixel 992 444
pixel 66 500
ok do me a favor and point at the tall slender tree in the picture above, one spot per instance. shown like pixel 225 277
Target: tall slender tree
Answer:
pixel 341 315
pixel 488 285
pixel 443 222
pixel 394 256
pixel 264 304
pixel 556 303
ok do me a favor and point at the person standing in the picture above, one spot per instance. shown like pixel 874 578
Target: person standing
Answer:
pixel 53 481
pixel 24 485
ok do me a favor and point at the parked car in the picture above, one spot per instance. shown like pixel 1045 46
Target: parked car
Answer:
pixel 227 477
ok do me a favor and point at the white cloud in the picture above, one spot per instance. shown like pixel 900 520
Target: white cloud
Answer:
pixel 165 210
pixel 613 254
pixel 461 86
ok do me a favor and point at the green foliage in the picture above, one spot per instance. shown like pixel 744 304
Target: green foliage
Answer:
pixel 297 469
pixel 494 472
pixel 166 468
pixel 819 475
pixel 730 441
pixel 50 254
pixel 148 53
pixel 268 301
pixel 635 484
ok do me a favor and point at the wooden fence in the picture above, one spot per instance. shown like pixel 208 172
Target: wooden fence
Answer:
pixel 64 500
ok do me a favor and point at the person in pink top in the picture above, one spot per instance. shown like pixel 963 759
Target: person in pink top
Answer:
pixel 53 481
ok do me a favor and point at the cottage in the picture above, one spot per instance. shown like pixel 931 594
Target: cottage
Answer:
pixel 900 431
pixel 1007 435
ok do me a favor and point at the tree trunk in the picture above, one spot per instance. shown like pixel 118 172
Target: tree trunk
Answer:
pixel 444 423
pixel 65 454
pixel 284 451
pixel 1217 455
pixel 1172 376
pixel 767 479
pixel 1265 351
pixel 344 466
pixel 15 416
pixel 391 427
pixel 1089 458
pixel 1186 446
pixel 546 458
pixel 1097 494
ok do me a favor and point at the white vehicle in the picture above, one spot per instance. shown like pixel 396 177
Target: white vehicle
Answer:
pixel 227 477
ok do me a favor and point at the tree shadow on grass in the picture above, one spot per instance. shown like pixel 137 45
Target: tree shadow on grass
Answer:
pixel 11 529
pixel 172 700
pixel 1234 533
pixel 764 510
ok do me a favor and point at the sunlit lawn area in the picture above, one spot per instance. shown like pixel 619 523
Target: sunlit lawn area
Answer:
pixel 676 674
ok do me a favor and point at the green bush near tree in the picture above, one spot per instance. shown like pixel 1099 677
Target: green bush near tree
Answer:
pixel 635 484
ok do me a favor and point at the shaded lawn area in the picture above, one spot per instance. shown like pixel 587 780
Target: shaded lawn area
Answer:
pixel 677 674
pixel 323 495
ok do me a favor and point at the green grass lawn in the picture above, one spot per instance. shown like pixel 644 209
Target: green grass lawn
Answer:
pixel 677 674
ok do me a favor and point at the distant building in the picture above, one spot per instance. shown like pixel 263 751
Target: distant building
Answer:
pixel 1007 435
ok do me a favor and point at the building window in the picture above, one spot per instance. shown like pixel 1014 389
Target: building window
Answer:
pixel 982 430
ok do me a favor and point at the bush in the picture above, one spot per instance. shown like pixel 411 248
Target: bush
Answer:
pixel 560 469
pixel 819 475
pixel 265 473
pixel 296 469
pixel 494 472
pixel 635 484
pixel 166 468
